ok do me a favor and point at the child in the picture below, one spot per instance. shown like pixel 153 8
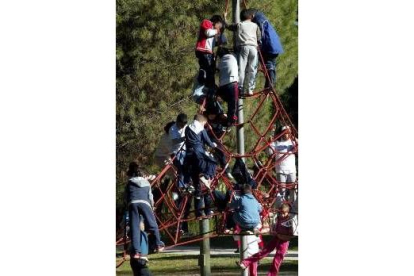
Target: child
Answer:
pixel 247 210
pixel 140 202
pixel 270 47
pixel 280 242
pixel 177 150
pixel 203 165
pixel 208 33
pixel 228 83
pixel 162 152
pixel 247 36
pixel 284 148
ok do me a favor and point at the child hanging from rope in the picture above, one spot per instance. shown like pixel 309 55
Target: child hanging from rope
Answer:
pixel 140 202
pixel 203 165
pixel 228 83
pixel 247 37
pixel 280 242
pixel 246 210
pixel 270 46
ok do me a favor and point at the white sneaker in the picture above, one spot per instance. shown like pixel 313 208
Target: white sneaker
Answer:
pixel 230 176
pixel 250 93
pixel 205 181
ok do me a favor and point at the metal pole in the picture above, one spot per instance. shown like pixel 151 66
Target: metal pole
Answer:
pixel 204 258
pixel 243 252
pixel 240 112
pixel 240 133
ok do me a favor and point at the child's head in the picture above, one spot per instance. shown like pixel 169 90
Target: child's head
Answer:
pixel 168 126
pixel 286 130
pixel 134 170
pixel 285 208
pixel 247 189
pixel 181 120
pixel 246 14
pixel 216 19
pixel 200 118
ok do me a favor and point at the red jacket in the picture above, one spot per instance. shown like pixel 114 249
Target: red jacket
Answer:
pixel 205 41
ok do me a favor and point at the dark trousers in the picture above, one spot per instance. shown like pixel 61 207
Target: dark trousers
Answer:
pixel 139 267
pixel 270 63
pixel 221 199
pixel 135 210
pixel 206 62
pixel 202 202
pixel 230 94
pixel 180 201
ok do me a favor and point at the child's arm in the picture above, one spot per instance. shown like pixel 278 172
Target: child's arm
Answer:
pixel 231 27
pixel 208 28
pixel 207 140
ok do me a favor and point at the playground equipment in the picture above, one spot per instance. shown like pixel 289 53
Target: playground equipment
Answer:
pixel 171 213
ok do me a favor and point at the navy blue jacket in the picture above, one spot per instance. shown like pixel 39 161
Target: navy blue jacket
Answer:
pixel 270 41
pixel 195 143
pixel 138 188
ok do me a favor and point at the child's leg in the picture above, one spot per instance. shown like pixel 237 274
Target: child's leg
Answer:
pixel 253 269
pixel 150 222
pixel 261 254
pixel 252 68
pixel 232 91
pixel 135 231
pixel 270 63
pixel 281 249
pixel 207 204
pixel 242 58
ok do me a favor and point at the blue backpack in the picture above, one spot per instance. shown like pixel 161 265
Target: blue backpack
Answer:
pixel 270 39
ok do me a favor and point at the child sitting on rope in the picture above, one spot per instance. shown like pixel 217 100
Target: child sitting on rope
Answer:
pixel 280 242
pixel 246 210
pixel 228 83
pixel 247 37
pixel 140 202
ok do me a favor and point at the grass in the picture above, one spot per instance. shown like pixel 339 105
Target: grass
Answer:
pixel 179 264
pixel 174 264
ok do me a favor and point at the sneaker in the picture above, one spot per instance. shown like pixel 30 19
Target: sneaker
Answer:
pixel 210 214
pixel 250 93
pixel 237 250
pixel 229 176
pixel 160 248
pixel 205 181
pixel 190 189
pixel 136 256
pixel 144 258
pixel 241 265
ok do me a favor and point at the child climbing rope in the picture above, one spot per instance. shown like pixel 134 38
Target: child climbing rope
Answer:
pixel 247 37
pixel 270 46
pixel 208 34
pixel 140 202
pixel 228 83
pixel 202 164
pixel 280 242
pixel 284 150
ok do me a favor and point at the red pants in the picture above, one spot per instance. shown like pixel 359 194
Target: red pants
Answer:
pixel 281 249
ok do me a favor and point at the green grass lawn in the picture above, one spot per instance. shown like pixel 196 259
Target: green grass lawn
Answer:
pixel 180 264
pixel 172 264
